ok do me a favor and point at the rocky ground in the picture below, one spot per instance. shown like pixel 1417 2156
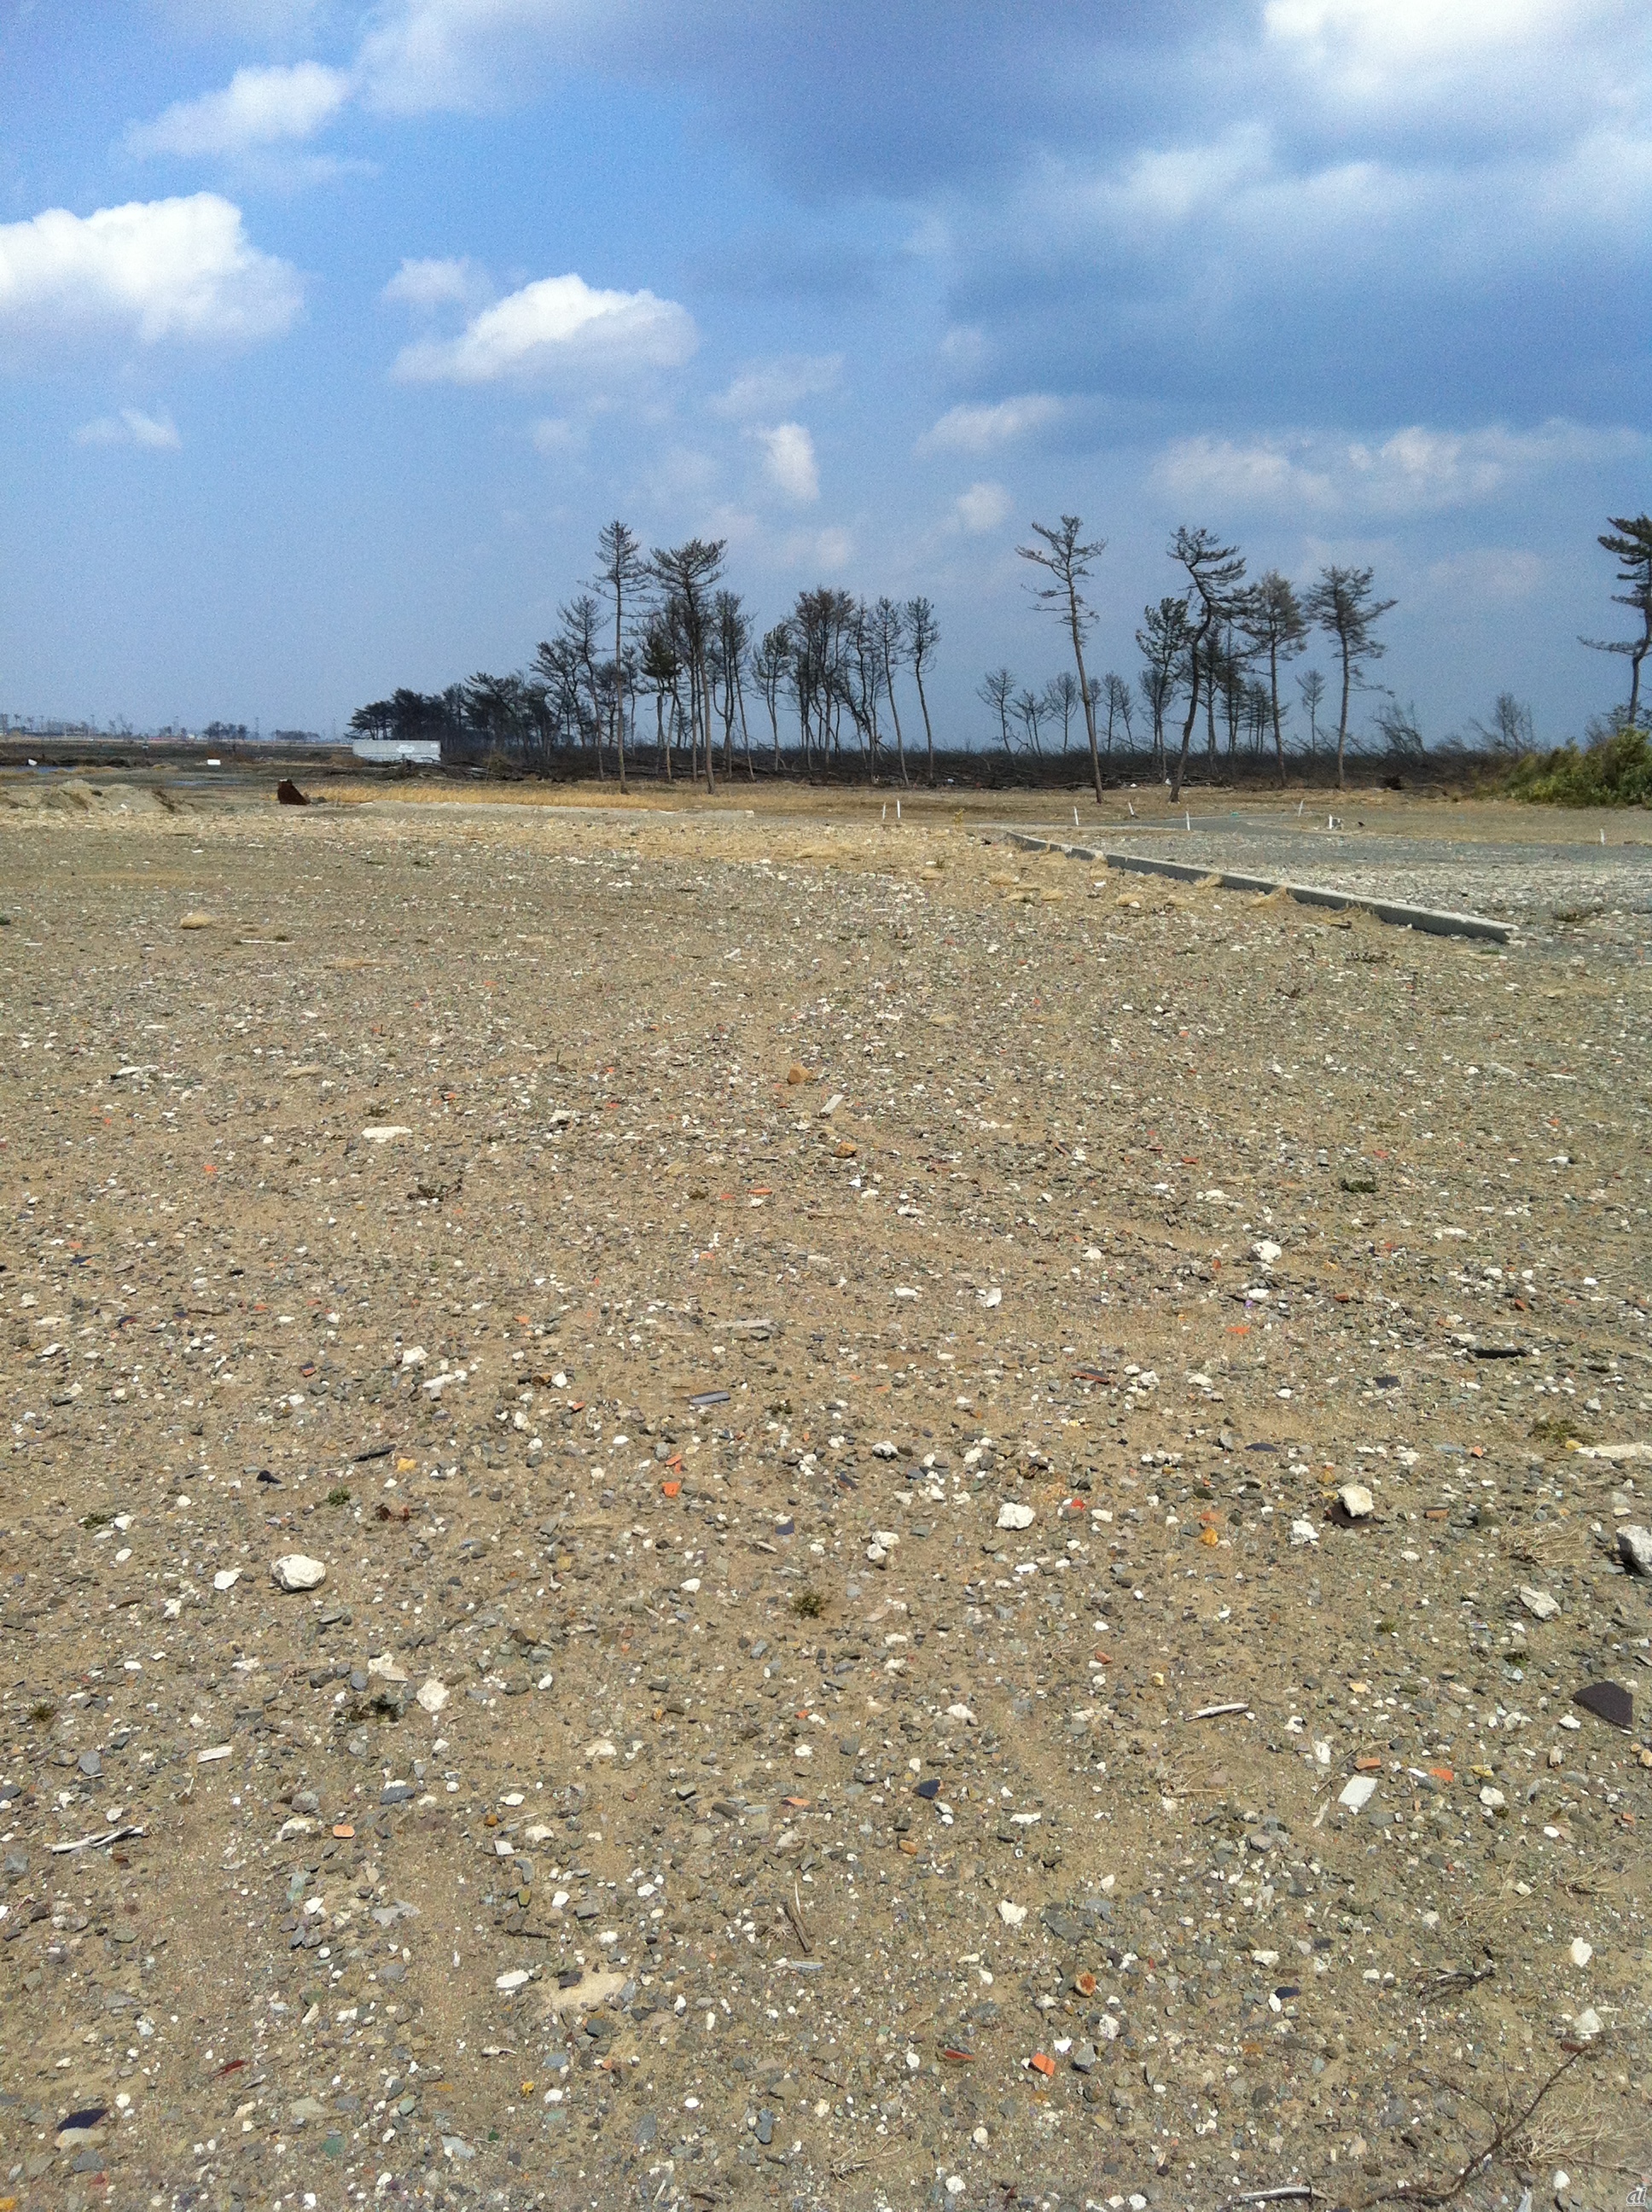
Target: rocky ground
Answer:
pixel 821 1362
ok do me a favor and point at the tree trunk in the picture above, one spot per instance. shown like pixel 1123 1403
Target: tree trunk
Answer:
pixel 1342 725
pixel 929 735
pixel 1273 689
pixel 899 743
pixel 1179 776
pixel 1083 689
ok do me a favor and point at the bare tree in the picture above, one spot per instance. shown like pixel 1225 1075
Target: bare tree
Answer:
pixel 1343 604
pixel 1272 619
pixel 1510 732
pixel 1401 730
pixel 688 574
pixel 1311 684
pixel 888 626
pixel 662 666
pixel 1120 706
pixel 1029 713
pixel 923 635
pixel 768 666
pixel 1061 697
pixel 1066 560
pixel 1163 640
pixel 1215 572
pixel 996 691
pixel 620 569
pixel 1630 544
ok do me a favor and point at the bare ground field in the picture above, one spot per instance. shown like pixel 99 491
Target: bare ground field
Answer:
pixel 820 1358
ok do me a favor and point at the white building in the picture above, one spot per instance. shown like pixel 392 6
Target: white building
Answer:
pixel 412 752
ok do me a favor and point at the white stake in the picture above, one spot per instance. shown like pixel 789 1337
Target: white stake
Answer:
pixel 1075 817
pixel 1300 803
pixel 1190 818
pixel 883 816
pixel 897 810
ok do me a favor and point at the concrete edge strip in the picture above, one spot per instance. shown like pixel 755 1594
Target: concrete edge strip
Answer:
pixel 1436 922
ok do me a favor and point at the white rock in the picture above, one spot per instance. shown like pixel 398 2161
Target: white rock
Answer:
pixel 1303 1532
pixel 885 1451
pixel 414 1355
pixel 433 1695
pixel 1635 1549
pixel 1493 1800
pixel 214 1751
pixel 1587 2024
pixel 386 1668
pixel 294 1572
pixel 1356 1501
pixel 961 1713
pixel 227 1578
pixel 1010 1915
pixel 517 1979
pixel 298 1825
pixel 600 1747
pixel 1266 1250
pixel 381 1133
pixel 1581 1952
pixel 1358 1791
pixel 1538 1603
pixel 1011 1516
pixel 990 1297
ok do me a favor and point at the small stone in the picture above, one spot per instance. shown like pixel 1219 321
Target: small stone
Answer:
pixel 1011 1516
pixel 1538 1603
pixel 227 1578
pixel 294 1572
pixel 90 1762
pixel 1581 1953
pixel 765 2128
pixel 1010 1915
pixel 1084 2057
pixel 1266 1250
pixel 395 1793
pixel 1358 1791
pixel 383 1131
pixel 1587 2024
pixel 1356 1501
pixel 432 1695
pixel 1635 1549
pixel 1492 1799
pixel 1303 1532
pixel 517 1977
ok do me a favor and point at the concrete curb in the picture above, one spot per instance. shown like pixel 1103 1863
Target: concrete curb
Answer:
pixel 1436 923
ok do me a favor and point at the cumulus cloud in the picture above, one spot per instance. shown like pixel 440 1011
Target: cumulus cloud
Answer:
pixel 983 507
pixel 433 283
pixel 153 271
pixel 257 107
pixel 556 323
pixel 766 387
pixel 156 433
pixel 789 461
pixel 1415 471
pixel 982 429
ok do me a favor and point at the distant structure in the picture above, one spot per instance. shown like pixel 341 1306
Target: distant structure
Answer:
pixel 400 753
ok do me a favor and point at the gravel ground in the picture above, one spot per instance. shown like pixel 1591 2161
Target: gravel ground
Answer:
pixel 1547 889
pixel 820 1362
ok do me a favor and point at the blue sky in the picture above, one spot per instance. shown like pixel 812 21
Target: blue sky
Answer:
pixel 330 334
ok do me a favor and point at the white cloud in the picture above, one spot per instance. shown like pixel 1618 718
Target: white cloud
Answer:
pixel 984 506
pixel 156 434
pixel 1415 471
pixel 766 387
pixel 789 461
pixel 981 430
pixel 557 322
pixel 1504 574
pixel 180 269
pixel 433 283
pixel 257 107
pixel 425 55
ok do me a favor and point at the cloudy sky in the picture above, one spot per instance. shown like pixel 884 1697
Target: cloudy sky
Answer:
pixel 330 333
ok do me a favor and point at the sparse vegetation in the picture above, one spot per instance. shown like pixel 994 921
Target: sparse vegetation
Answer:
pixel 1616 772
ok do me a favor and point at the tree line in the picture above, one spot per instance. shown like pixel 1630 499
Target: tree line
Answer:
pixel 662 631
pixel 656 656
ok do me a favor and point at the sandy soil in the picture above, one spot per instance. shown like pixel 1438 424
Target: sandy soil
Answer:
pixel 819 1359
